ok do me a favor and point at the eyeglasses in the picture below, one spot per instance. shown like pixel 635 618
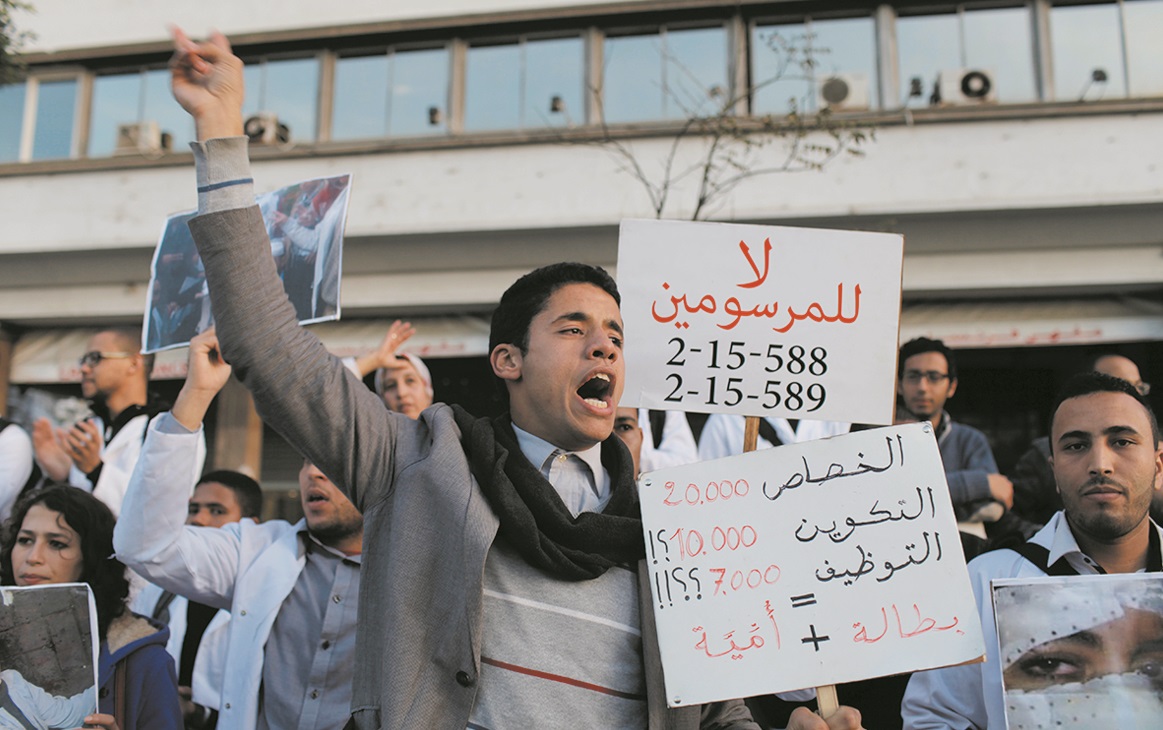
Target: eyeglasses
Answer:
pixel 90 359
pixel 934 377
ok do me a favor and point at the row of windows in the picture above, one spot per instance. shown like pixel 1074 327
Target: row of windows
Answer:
pixel 1095 51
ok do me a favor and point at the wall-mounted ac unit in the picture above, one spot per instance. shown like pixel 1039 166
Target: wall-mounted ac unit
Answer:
pixel 966 86
pixel 843 92
pixel 265 128
pixel 140 138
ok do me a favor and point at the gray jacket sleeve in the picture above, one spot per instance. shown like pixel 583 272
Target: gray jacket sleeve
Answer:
pixel 299 388
pixel 968 463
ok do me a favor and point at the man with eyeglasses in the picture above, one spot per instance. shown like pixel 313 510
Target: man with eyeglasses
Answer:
pixel 928 378
pixel 98 454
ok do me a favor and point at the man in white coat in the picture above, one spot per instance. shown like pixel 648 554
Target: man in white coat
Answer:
pixel 292 590
pixel 98 454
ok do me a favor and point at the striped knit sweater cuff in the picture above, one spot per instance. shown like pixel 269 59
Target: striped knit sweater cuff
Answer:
pixel 224 178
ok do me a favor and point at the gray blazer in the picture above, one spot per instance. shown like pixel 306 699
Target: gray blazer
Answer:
pixel 427 525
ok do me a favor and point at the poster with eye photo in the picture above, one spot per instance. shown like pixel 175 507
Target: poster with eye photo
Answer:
pixel 305 224
pixel 1081 651
pixel 48 656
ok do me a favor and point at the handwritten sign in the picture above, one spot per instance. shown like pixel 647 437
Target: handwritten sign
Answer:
pixel 760 320
pixel 818 563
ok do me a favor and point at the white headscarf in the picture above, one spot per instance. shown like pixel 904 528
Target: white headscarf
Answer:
pixel 417 363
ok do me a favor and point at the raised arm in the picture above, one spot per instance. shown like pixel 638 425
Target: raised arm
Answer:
pixel 384 356
pixel 299 388
pixel 151 535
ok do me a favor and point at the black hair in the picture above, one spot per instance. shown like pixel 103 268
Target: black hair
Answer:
pixel 246 490
pixel 93 522
pixel 130 339
pixel 921 345
pixel 525 299
pixel 1095 382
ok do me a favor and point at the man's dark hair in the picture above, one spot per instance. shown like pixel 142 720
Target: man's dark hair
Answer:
pixel 93 523
pixel 525 299
pixel 921 345
pixel 130 339
pixel 1094 382
pixel 246 490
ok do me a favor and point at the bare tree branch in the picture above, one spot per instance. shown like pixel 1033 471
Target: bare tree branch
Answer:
pixel 732 145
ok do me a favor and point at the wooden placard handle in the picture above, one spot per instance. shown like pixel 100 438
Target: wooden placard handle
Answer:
pixel 750 433
pixel 827 700
pixel 826 697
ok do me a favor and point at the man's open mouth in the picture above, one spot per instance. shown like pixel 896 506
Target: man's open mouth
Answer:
pixel 596 390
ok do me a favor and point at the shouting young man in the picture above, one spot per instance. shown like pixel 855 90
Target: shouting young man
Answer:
pixel 502 585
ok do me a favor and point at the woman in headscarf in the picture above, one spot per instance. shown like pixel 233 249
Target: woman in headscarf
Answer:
pixel 402 380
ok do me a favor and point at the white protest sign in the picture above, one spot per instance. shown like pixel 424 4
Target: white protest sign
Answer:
pixel 805 565
pixel 760 320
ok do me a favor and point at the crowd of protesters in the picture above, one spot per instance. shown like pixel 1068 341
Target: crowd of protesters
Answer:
pixel 470 526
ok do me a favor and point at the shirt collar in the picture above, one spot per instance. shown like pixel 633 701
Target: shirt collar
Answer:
pixel 1062 543
pixel 537 450
pixel 308 543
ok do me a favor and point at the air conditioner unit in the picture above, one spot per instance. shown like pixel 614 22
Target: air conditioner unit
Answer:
pixel 265 128
pixel 843 92
pixel 966 86
pixel 140 138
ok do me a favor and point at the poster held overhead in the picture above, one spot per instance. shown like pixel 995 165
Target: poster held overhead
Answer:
pixel 305 222
pixel 812 564
pixel 760 320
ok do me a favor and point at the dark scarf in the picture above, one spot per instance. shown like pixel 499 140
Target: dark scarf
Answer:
pixel 535 520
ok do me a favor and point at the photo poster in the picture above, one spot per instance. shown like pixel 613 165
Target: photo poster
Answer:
pixel 811 564
pixel 48 656
pixel 1081 651
pixel 760 320
pixel 305 223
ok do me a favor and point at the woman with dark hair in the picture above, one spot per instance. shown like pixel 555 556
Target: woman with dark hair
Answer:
pixel 65 535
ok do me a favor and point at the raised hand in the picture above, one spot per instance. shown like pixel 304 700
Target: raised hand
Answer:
pixel 384 356
pixel 206 79
pixel 206 374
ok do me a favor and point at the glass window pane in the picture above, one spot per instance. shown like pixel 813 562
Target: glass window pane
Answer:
pixel 492 88
pixel 846 46
pixel 1000 41
pixel 695 72
pixel 419 83
pixel 360 108
pixel 779 80
pixel 288 88
pixel 632 79
pixel 788 61
pixel 1144 20
pixel 116 101
pixel 252 79
pixel 928 44
pixel 55 109
pixel 11 121
pixel 159 106
pixel 554 69
pixel 1085 39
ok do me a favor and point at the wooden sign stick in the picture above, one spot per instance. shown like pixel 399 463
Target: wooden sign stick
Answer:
pixel 826 695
